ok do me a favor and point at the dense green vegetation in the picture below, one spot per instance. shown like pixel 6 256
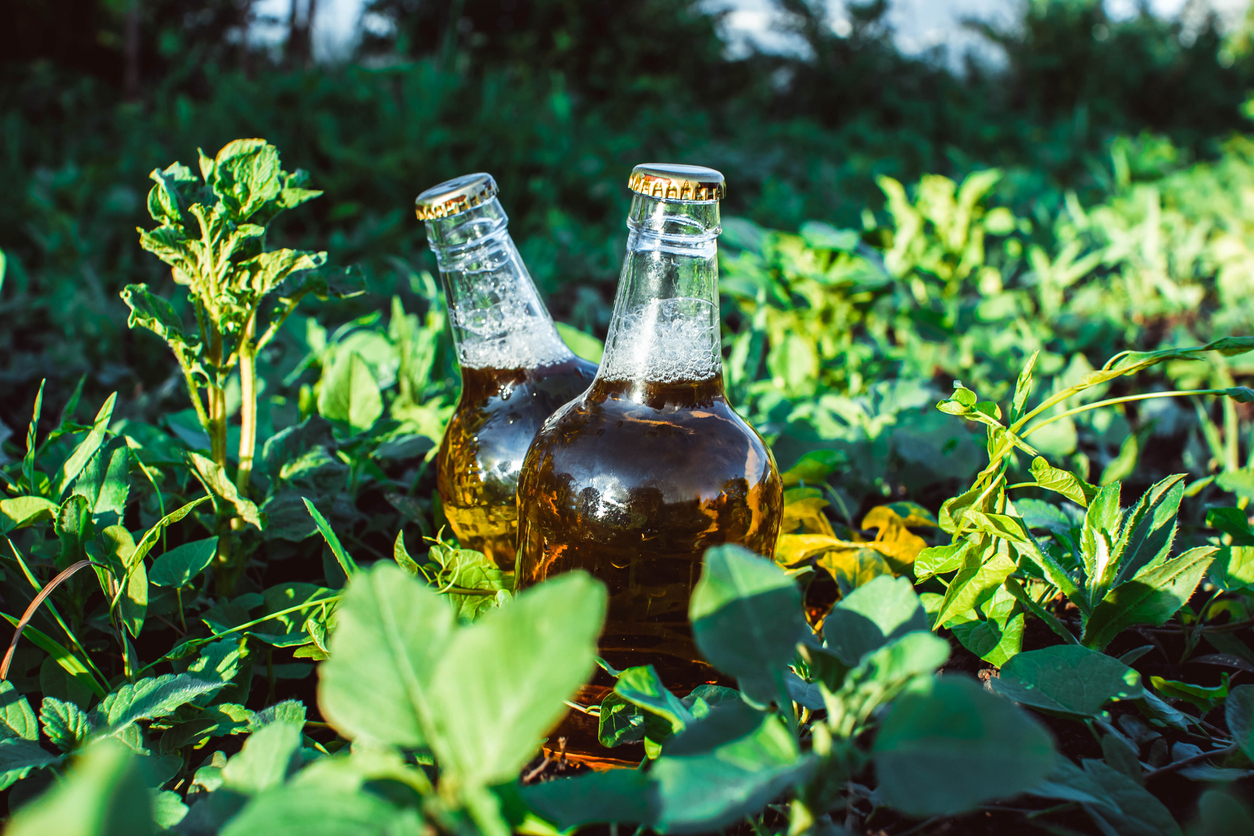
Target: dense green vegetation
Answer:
pixel 997 329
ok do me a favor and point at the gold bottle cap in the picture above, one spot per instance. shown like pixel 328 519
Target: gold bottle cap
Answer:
pixel 673 181
pixel 455 196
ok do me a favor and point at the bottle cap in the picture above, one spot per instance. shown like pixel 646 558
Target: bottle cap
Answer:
pixel 455 196
pixel 672 181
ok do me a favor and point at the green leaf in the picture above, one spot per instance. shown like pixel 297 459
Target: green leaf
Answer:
pixel 349 393
pixel 151 311
pixel 502 683
pixel 619 722
pixel 983 572
pixel 23 511
pixel 1060 481
pixel 147 699
pixel 1119 805
pixel 711 778
pixel 102 795
pixel 269 755
pixel 1150 527
pixel 65 724
pixel 18 757
pixel 1239 715
pixel 1232 521
pixel 266 271
pixel 246 176
pixel 342 557
pixel 217 483
pixel 153 534
pixel 1098 538
pixel 68 662
pixel 745 613
pixel 583 345
pixel 106 480
pixel 401 555
pixel 296 810
pixel 1153 595
pixel 940 560
pixel 180 564
pixel 947 746
pixel 871 616
pixel 1067 679
pixel 16 717
pixel 665 713
pixel 616 795
pixel 85 450
pixel 880 677
pixel 999 635
pixel 1222 815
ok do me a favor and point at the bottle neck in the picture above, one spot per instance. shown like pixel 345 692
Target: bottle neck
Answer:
pixel 496 315
pixel 665 328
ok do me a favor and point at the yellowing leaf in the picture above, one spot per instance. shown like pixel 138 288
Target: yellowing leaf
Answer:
pixel 807 515
pixel 852 567
pixel 895 541
pixel 792 549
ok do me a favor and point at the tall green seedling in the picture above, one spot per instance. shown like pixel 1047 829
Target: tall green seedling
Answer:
pixel 211 231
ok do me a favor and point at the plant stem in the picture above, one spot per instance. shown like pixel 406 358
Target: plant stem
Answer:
pixel 248 405
pixel 1112 401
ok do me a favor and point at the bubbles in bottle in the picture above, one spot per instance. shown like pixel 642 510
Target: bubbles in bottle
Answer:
pixel 664 341
pixel 507 332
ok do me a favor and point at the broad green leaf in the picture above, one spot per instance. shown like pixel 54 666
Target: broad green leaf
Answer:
pixel 1201 696
pixel 947 746
pixel 152 535
pixel 269 755
pixel 246 176
pixel 644 688
pixel 148 699
pixel 151 311
pixel 106 480
pixel 65 724
pixel 73 527
pixel 997 636
pixel 218 484
pixel 584 345
pixel 16 717
pixel 871 616
pixel 1220 814
pixel 1233 521
pixel 983 572
pixel 22 511
pixel 18 757
pixel 401 555
pixel 1233 568
pixel 341 555
pixel 349 393
pixel 102 795
pixel 1151 597
pixel 746 613
pixel 502 683
pixel 1150 527
pixel 880 676
pixel 471 570
pixel 1067 679
pixel 180 564
pixel 321 811
pixel 1239 715
pixel 1063 482
pixel 616 795
pixel 1120 805
pixel 391 631
pixel 708 779
pixel 940 560
pixel 85 450
pixel 619 722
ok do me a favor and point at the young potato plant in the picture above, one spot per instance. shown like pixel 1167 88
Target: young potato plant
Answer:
pixel 211 231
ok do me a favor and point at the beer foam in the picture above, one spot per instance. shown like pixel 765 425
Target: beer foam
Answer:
pixel 517 342
pixel 664 341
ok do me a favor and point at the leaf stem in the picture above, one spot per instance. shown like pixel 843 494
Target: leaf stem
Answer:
pixel 248 405
pixel 1125 399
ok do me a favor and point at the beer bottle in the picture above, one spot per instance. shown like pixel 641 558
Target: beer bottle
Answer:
pixel 636 478
pixel 515 368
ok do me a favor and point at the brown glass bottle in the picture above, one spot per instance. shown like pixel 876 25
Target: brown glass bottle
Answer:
pixel 637 477
pixel 515 368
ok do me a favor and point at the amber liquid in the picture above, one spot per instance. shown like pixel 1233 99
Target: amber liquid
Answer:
pixel 632 483
pixel 482 452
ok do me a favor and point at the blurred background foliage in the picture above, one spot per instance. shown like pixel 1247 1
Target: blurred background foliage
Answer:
pixel 892 224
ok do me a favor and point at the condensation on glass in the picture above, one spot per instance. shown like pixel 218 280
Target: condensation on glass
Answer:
pixel 651 466
pixel 516 370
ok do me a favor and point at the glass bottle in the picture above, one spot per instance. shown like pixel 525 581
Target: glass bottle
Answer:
pixel 636 478
pixel 515 368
